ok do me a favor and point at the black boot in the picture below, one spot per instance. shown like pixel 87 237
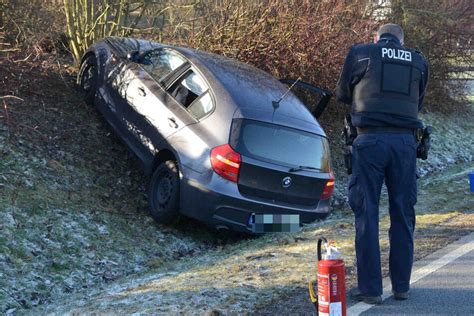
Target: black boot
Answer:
pixel 357 295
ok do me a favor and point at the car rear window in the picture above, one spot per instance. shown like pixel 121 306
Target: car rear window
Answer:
pixel 279 144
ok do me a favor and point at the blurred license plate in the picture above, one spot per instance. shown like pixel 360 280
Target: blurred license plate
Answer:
pixel 275 223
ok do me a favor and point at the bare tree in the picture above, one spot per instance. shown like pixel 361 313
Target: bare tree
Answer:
pixel 90 20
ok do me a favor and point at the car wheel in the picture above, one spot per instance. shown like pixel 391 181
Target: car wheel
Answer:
pixel 87 79
pixel 163 195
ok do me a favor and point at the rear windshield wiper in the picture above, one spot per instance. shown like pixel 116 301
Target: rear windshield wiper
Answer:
pixel 306 168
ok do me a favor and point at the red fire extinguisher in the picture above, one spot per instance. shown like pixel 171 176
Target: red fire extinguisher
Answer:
pixel 331 298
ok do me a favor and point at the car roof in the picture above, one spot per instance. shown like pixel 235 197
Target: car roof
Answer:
pixel 253 91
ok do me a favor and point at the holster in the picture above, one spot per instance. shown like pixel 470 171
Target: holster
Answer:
pixel 349 133
pixel 348 159
pixel 424 143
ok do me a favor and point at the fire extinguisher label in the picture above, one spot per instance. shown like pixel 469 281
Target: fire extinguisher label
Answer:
pixel 323 294
pixel 335 309
pixel 330 288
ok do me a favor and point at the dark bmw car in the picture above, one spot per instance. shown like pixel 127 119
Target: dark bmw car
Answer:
pixel 222 140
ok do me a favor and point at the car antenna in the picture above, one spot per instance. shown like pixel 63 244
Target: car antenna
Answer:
pixel 276 104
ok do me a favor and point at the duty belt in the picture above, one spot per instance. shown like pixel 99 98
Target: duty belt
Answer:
pixel 386 129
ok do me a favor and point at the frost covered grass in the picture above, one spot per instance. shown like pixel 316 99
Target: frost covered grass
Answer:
pixel 58 234
pixel 75 234
pixel 252 274
pixel 452 142
pixel 72 199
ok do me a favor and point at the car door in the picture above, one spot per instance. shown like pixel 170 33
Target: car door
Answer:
pixel 144 114
pixel 126 90
pixel 316 99
pixel 173 95
pixel 163 94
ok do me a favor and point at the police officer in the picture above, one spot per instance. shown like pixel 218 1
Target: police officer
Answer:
pixel 385 84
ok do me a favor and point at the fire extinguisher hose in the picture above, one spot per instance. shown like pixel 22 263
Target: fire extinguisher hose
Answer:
pixel 320 241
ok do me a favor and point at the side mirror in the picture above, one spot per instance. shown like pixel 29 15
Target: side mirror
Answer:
pixel 134 56
pixel 316 99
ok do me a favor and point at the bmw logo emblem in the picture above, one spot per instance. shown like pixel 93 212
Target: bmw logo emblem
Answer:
pixel 286 182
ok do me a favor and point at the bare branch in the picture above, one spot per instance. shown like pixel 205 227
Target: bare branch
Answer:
pixel 12 97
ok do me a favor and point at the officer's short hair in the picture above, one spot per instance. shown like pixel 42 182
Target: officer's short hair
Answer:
pixel 393 29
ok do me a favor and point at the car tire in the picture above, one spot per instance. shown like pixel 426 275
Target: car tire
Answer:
pixel 163 195
pixel 87 78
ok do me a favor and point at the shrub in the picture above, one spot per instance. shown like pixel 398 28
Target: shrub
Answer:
pixel 442 31
pixel 290 39
pixel 32 25
pixel 309 39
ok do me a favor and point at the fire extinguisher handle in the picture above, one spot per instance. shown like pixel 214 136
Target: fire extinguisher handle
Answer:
pixel 320 241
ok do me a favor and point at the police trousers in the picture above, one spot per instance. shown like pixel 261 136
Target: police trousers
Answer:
pixel 378 157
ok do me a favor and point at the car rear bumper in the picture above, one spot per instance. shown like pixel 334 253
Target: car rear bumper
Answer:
pixel 239 219
pixel 218 202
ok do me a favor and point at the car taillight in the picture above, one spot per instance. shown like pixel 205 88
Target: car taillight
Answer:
pixel 226 162
pixel 328 189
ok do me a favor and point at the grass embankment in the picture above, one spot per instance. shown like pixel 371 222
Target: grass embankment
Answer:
pixel 75 216
pixel 64 229
pixel 256 274
pixel 72 199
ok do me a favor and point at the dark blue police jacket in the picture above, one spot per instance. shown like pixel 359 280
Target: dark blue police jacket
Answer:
pixel 385 83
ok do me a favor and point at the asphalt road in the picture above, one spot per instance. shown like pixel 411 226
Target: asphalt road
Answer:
pixel 442 284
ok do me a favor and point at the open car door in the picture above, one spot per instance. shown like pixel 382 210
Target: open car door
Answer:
pixel 316 99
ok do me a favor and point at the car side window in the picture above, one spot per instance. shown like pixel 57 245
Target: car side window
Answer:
pixel 160 63
pixel 201 107
pixel 192 92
